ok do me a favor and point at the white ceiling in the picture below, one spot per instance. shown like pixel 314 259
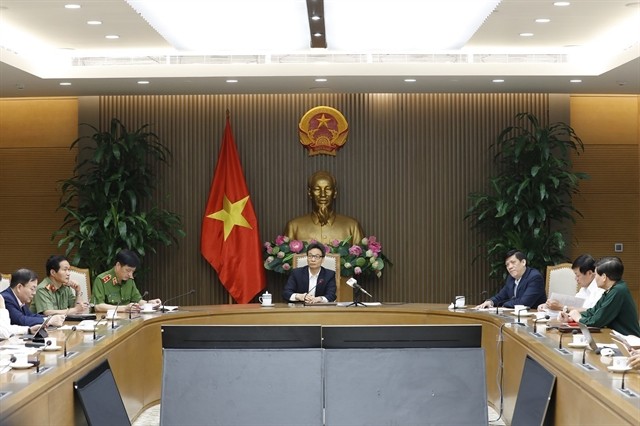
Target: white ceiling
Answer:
pixel 575 44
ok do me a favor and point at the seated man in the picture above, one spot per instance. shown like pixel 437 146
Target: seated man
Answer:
pixel 312 283
pixel 616 308
pixel 54 294
pixel 7 329
pixel 584 268
pixel 524 286
pixel 18 296
pixel 116 286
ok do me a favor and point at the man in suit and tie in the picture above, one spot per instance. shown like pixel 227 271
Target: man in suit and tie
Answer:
pixel 312 283
pixel 524 286
pixel 18 296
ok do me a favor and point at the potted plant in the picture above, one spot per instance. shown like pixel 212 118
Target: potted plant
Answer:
pixel 108 201
pixel 529 203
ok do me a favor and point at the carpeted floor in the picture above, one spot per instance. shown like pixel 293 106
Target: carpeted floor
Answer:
pixel 151 417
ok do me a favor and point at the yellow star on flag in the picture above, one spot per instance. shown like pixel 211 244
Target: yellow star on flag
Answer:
pixel 231 215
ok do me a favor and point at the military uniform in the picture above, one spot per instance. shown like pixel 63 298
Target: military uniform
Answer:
pixel 48 297
pixel 106 289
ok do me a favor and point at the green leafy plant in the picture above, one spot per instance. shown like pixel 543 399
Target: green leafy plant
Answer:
pixel 530 199
pixel 108 201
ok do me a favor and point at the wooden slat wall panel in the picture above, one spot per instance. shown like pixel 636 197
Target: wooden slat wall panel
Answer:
pixel 405 172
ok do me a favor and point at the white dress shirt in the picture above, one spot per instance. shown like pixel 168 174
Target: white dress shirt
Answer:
pixel 591 294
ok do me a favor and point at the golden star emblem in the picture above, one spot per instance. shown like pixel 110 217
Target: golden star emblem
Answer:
pixel 231 215
pixel 322 121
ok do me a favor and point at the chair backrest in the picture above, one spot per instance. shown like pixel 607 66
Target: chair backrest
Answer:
pixel 561 279
pixel 81 277
pixel 5 281
pixel 100 398
pixel 331 261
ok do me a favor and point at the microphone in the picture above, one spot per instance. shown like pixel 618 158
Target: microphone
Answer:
pixel 535 322
pixel 145 294
pixel 584 355
pixel 624 373
pixel 351 282
pixel 95 327
pixel 304 301
pixel 455 300
pixel 520 310
pixel 73 330
pixel 113 318
pixel 483 295
pixel 177 297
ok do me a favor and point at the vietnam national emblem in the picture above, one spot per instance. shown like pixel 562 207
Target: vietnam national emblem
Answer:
pixel 323 130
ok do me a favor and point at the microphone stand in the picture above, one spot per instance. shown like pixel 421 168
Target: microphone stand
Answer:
pixel 535 323
pixel 95 327
pixel 356 298
pixel 142 298
pixel 455 300
pixel 113 318
pixel 175 298
pixel 73 330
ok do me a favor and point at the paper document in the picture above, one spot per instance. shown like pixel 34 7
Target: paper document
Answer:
pixel 567 300
pixel 363 303
pixel 630 341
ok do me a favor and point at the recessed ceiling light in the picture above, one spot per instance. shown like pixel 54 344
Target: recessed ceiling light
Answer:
pixel 317 35
pixel 561 3
pixel 94 22
pixel 315 18
pixel 65 83
pixel 321 80
pixel 498 80
pixel 543 20
pixel 575 81
pixel 143 82
pixel 526 34
pixel 232 81
pixel 112 36
pixel 72 6
pixel 410 80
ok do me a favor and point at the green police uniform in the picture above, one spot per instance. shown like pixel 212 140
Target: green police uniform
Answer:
pixel 106 289
pixel 48 297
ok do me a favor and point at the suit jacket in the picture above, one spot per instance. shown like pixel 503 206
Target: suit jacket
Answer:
pixel 19 316
pixel 298 282
pixel 531 291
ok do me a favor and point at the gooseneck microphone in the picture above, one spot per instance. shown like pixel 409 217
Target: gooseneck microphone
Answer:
pixel 455 300
pixel 176 298
pixel 73 330
pixel 351 282
pixel 584 355
pixel 95 327
pixel 483 295
pixel 624 373
pixel 304 300
pixel 535 322
pixel 113 318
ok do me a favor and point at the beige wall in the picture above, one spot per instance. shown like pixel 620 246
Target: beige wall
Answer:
pixel 405 172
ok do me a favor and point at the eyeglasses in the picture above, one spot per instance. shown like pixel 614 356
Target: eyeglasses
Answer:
pixel 315 256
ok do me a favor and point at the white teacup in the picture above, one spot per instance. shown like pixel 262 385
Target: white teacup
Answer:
pixel 620 362
pixel 266 299
pixel 520 308
pixel 51 341
pixel 148 307
pixel 21 359
pixel 460 301
pixel 579 339
pixel 540 315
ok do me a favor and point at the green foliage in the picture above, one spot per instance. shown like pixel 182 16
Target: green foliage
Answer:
pixel 530 197
pixel 108 200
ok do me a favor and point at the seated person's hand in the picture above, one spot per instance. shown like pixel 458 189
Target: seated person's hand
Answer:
pixel 485 304
pixel 80 308
pixel 634 359
pixel 564 317
pixel 155 302
pixel 34 328
pixel 554 305
pixel 57 320
pixel 132 307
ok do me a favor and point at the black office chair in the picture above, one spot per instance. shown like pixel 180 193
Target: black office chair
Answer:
pixel 100 398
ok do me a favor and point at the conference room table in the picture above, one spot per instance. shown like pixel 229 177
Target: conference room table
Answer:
pixel 134 351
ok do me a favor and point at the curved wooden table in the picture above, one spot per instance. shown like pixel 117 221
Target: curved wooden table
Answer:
pixel 135 354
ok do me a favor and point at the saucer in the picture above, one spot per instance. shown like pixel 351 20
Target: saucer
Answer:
pixel 578 345
pixel 523 313
pixel 153 311
pixel 618 369
pixel 268 306
pixel 52 348
pixel 17 366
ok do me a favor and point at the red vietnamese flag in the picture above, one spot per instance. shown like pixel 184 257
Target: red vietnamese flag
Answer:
pixel 230 240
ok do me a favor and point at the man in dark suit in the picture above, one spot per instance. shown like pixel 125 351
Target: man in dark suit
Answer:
pixel 524 286
pixel 312 283
pixel 18 296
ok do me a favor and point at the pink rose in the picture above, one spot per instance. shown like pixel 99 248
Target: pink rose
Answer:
pixel 280 239
pixel 267 245
pixel 355 250
pixel 270 250
pixel 286 266
pixel 357 270
pixel 280 255
pixel 296 246
pixel 335 243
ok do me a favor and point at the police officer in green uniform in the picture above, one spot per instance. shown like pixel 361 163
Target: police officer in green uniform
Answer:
pixel 54 294
pixel 116 286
